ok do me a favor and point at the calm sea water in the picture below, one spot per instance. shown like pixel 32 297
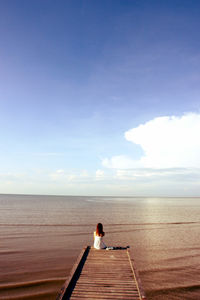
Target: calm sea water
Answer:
pixel 41 236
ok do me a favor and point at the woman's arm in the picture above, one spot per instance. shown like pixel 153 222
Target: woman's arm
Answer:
pixel 94 234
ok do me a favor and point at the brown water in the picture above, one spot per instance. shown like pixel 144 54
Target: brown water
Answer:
pixel 41 237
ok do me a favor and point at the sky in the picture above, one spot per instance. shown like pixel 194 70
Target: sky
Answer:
pixel 100 97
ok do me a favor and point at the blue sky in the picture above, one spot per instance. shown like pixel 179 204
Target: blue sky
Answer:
pixel 100 97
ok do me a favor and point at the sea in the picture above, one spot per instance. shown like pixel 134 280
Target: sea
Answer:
pixel 41 237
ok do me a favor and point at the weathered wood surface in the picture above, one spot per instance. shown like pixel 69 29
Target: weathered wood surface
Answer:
pixel 103 274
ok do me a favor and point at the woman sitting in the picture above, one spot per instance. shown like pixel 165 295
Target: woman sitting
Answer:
pixel 98 237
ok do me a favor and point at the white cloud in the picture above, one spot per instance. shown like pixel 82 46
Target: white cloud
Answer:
pixel 60 171
pixel 61 175
pixel 174 174
pixel 99 174
pixel 120 162
pixel 57 174
pixel 84 174
pixel 12 176
pixel 167 142
pixel 169 165
pixel 71 177
pixel 139 181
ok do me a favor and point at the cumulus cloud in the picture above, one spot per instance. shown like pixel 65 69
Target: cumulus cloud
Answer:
pixel 167 142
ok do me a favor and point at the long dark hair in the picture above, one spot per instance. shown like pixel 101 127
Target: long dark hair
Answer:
pixel 99 230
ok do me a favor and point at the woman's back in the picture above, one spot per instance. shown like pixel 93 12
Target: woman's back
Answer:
pixel 98 241
pixel 98 237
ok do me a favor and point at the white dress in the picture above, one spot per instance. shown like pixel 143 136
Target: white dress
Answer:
pixel 98 242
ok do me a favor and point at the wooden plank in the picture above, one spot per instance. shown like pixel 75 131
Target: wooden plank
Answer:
pixel 101 274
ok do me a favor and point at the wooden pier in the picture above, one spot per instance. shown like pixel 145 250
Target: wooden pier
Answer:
pixel 103 274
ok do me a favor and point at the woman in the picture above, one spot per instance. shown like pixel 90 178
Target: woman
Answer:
pixel 98 237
